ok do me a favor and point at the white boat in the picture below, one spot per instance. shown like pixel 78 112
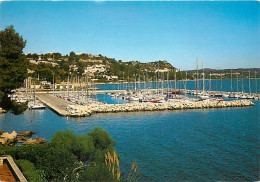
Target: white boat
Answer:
pixel 250 97
pixel 134 99
pixel 34 105
pixel 204 97
pixel 256 98
pixel 232 96
pixel 218 95
pixel 243 97
pixel 225 95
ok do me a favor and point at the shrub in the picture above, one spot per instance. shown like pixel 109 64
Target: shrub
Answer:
pixel 96 173
pixel 29 170
pixel 81 146
pixel 57 164
pixel 102 139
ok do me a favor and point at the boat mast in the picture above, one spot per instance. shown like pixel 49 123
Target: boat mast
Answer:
pixel 242 82
pixel 68 86
pixel 135 82
pixel 167 82
pixel 186 84
pixel 87 90
pixel 92 87
pixel 64 88
pixel 237 83
pixel 144 87
pixel 53 84
pixel 127 84
pixel 34 92
pixel 197 78
pixel 203 76
pixel 210 81
pixel 162 82
pixel 180 81
pixel 78 86
pixel 139 83
pixel 231 81
pixel 123 80
pixel 249 83
pixel 30 88
pixel 221 86
pixel 255 83
pixel 175 79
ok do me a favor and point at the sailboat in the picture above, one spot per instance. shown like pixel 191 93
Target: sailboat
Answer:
pixel 231 95
pixel 249 96
pixel 203 95
pixel 35 104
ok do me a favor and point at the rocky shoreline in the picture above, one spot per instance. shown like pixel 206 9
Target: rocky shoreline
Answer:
pixel 23 137
pixel 2 110
pixel 81 111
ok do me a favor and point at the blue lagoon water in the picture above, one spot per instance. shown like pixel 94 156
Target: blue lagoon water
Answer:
pixel 197 145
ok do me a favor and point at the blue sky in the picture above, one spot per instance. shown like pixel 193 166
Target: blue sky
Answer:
pixel 225 34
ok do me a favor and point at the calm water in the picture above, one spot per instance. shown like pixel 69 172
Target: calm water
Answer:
pixel 237 85
pixel 201 145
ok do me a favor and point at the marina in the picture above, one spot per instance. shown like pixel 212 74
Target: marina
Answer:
pixel 129 91
pixel 69 106
pixel 153 96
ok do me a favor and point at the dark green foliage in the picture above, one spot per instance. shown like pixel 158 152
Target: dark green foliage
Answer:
pixel 102 142
pixel 96 173
pixel 57 164
pixel 13 73
pixel 81 146
pixel 12 63
pixel 11 43
pixel 13 67
pixel 57 160
pixel 28 152
pixel 18 108
pixel 29 171
pixel 102 139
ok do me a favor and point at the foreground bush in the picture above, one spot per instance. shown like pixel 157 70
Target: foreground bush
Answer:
pixel 29 170
pixel 68 157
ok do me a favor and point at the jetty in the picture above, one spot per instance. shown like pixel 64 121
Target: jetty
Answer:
pixel 65 107
pixel 57 104
pixel 80 111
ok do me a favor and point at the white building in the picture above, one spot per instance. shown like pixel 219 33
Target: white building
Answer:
pixel 112 77
pixel 163 70
pixel 95 68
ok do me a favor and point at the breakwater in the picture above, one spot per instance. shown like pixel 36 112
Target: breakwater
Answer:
pixel 80 111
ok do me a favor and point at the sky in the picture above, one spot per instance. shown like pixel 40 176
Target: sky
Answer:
pixel 224 34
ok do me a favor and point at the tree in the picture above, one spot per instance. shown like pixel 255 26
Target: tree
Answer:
pixel 72 56
pixel 13 69
pixel 35 56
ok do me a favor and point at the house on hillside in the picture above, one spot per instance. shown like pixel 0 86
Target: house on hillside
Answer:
pixel 100 68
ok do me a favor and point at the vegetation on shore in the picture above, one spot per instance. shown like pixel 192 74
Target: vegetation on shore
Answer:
pixel 125 71
pixel 13 67
pixel 68 157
